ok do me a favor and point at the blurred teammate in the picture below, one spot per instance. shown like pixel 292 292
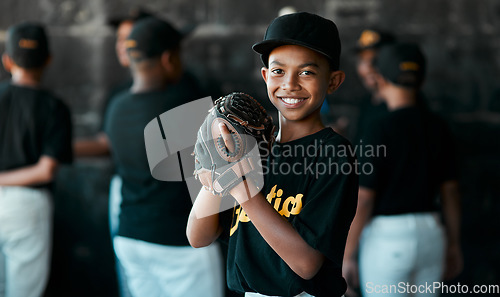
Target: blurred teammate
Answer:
pixel 397 226
pixel 151 243
pixel 35 137
pixel 98 146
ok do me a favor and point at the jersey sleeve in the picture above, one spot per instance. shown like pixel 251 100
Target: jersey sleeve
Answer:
pixel 58 134
pixel 327 213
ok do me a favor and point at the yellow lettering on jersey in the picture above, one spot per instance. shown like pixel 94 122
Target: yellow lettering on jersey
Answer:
pixel 297 205
pixel 271 194
pixel 241 216
pixel 291 206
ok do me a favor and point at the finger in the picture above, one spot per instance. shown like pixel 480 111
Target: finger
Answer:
pixel 226 135
pixel 206 181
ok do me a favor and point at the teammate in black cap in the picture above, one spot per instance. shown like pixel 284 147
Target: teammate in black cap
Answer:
pixel 35 133
pixel 289 239
pixel 367 47
pixel 151 242
pixel 97 145
pixel 123 25
pixel 403 240
pixel 368 44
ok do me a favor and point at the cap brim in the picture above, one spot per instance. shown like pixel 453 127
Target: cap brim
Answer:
pixel 265 47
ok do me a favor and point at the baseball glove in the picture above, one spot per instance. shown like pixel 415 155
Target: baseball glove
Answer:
pixel 251 129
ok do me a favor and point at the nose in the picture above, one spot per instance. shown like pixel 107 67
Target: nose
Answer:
pixel 291 83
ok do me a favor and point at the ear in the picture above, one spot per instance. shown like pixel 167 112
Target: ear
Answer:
pixel 171 60
pixel 7 62
pixel 264 72
pixel 335 80
pixel 167 60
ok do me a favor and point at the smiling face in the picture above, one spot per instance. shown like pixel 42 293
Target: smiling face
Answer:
pixel 298 80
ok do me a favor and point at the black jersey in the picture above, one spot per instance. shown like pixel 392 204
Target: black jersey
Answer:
pixel 33 123
pixel 151 210
pixel 419 155
pixel 368 111
pixel 304 183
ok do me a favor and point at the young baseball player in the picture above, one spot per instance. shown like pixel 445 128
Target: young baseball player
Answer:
pixel 289 238
pixel 35 133
pixel 397 226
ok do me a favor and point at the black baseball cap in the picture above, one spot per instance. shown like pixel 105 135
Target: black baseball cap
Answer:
pixel 133 15
pixel 304 29
pixel 150 37
pixel 402 63
pixel 373 39
pixel 27 45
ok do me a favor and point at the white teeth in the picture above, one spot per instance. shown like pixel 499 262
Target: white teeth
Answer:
pixel 291 100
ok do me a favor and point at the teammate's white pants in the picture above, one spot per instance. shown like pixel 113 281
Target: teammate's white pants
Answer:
pixel 115 200
pixel 155 270
pixel 25 241
pixel 401 249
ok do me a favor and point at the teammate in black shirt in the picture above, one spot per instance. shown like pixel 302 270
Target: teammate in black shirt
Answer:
pixel 35 137
pixel 402 239
pixel 288 240
pixel 99 145
pixel 151 243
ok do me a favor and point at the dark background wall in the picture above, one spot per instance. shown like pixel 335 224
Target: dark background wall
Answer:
pixel 461 39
